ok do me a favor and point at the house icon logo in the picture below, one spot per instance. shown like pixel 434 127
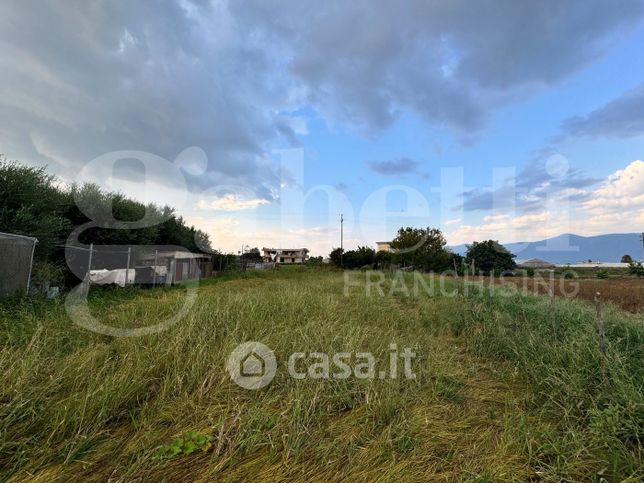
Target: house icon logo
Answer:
pixel 252 365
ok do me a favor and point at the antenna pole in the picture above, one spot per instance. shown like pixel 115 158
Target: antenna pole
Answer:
pixel 342 240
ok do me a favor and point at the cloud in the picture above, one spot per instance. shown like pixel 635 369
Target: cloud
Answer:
pixel 102 76
pixel 341 186
pixel 620 118
pixel 617 202
pixel 229 77
pixel 451 63
pixel 505 227
pixel 394 167
pixel 620 196
pixel 231 202
pixel 540 182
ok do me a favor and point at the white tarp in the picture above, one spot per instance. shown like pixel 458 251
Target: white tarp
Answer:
pixel 108 277
pixel 161 270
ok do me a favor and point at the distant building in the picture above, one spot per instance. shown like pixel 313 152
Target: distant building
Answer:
pixel 596 265
pixel 286 256
pixel 383 246
pixel 536 263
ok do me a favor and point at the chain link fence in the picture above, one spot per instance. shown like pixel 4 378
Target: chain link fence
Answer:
pixel 16 260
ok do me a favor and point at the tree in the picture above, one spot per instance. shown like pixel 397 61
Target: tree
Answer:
pixel 315 261
pixel 336 256
pixel 382 259
pixel 423 248
pixel 457 263
pixel 253 255
pixel 636 268
pixel 33 203
pixel 363 256
pixel 489 257
pixel 627 259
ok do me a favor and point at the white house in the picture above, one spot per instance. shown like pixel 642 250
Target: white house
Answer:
pixel 286 256
pixel 383 246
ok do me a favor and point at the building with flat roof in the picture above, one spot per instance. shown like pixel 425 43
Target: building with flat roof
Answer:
pixel 383 246
pixel 285 255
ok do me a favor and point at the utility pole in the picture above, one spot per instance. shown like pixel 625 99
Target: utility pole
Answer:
pixel 341 240
pixel 642 239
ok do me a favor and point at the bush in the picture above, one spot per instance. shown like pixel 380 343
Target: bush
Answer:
pixel 603 274
pixel 636 268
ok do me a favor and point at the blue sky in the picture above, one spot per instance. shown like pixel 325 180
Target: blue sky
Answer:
pixel 499 120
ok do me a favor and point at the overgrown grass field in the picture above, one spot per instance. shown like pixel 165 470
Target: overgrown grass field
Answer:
pixel 507 388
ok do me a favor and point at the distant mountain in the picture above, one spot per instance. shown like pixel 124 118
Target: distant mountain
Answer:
pixel 570 248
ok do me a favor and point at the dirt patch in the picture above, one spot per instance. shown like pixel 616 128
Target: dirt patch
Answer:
pixel 626 293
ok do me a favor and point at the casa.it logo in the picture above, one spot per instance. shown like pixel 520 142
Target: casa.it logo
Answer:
pixel 252 365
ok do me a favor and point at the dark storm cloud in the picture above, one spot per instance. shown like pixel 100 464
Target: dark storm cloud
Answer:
pixel 84 78
pixel 622 117
pixel 394 167
pixel 450 62
pixel 93 77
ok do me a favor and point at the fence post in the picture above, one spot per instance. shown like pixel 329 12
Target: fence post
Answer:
pixel 89 263
pixel 553 317
pixel 154 269
pixel 31 265
pixel 601 335
pixel 127 268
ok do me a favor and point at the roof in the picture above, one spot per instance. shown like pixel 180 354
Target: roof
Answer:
pixel 535 263
pixel 286 249
pixel 595 265
pixel 178 254
pixel 20 237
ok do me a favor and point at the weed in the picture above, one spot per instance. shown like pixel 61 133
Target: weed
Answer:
pixel 185 444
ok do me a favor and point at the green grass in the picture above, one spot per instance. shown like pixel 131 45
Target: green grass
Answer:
pixel 502 391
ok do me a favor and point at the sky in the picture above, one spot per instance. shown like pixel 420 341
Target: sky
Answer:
pixel 262 122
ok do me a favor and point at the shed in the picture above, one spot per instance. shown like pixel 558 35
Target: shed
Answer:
pixel 173 266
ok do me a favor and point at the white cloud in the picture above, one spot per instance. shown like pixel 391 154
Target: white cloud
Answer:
pixel 616 205
pixel 623 190
pixel 231 202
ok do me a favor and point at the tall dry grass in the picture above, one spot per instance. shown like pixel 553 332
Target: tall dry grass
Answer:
pixel 498 394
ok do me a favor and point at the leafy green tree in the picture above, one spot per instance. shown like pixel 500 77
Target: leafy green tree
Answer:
pixel 253 255
pixel 627 259
pixel 336 256
pixel 382 259
pixel 315 261
pixel 489 257
pixel 423 248
pixel 458 263
pixel 636 268
pixel 33 203
pixel 363 256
